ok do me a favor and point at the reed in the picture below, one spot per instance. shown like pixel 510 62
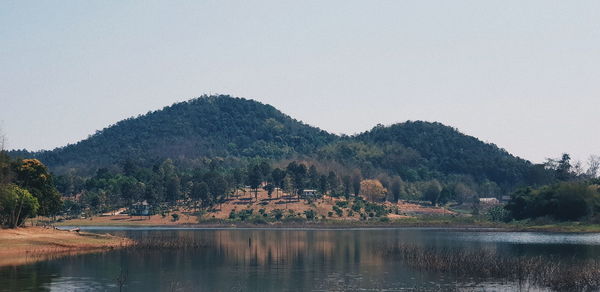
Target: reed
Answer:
pixel 559 275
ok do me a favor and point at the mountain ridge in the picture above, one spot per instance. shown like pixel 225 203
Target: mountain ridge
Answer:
pixel 233 127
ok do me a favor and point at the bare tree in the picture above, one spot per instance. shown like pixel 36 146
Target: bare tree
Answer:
pixel 577 169
pixel 593 166
pixel 2 140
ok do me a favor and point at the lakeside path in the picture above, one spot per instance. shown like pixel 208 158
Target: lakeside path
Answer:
pixel 31 244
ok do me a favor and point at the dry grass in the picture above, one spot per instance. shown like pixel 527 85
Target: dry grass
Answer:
pixel 556 274
pixel 30 244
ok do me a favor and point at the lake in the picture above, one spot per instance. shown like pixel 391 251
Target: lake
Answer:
pixel 265 259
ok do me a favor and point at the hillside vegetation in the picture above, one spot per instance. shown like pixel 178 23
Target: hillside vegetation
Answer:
pixel 200 152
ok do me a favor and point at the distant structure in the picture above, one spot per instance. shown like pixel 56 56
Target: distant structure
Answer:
pixel 140 209
pixel 489 201
pixel 309 193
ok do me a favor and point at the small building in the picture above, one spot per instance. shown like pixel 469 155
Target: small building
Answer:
pixel 489 201
pixel 309 193
pixel 140 209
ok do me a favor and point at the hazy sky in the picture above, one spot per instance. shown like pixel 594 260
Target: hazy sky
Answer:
pixel 524 75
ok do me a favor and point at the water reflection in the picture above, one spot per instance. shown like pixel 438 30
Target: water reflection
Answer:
pixel 278 260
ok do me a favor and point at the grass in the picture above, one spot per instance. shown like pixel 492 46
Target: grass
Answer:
pixel 487 264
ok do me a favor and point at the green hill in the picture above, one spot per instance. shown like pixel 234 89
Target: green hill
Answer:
pixel 203 127
pixel 228 127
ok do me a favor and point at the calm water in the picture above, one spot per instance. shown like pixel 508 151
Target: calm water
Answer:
pixel 287 260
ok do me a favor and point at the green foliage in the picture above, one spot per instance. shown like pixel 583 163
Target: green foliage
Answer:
pixel 358 205
pixel 32 175
pixel 277 214
pixel 205 148
pixel 342 204
pixel 310 214
pixel 375 210
pixel 16 205
pixel 208 126
pixel 564 201
pixel 498 214
pixel 338 211
pixel 175 217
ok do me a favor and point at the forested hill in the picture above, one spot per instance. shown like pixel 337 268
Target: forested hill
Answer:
pixel 446 150
pixel 228 127
pixel 208 126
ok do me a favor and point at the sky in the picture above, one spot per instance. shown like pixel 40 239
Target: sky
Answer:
pixel 524 75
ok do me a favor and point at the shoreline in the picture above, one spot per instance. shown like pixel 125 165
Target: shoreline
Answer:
pixel 344 225
pixel 27 245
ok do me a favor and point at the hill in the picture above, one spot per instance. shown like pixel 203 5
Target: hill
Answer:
pixel 237 128
pixel 209 126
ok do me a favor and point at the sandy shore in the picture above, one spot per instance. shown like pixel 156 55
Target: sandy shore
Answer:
pixel 30 244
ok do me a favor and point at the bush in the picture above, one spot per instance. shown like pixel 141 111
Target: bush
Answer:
pixel 338 211
pixel 175 217
pixel 564 201
pixel 498 214
pixel 310 214
pixel 342 204
pixel 359 204
pixel 257 219
pixel 277 214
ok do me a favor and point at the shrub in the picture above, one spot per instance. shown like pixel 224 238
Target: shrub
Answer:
pixel 232 215
pixel 342 204
pixel 498 214
pixel 257 219
pixel 359 204
pixel 564 201
pixel 175 217
pixel 277 214
pixel 310 214
pixel 338 211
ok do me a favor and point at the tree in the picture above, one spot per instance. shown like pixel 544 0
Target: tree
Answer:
pixel 593 166
pixel 322 185
pixel 278 175
pixel 200 193
pixel 172 188
pixel 565 201
pixel 356 179
pixel 6 172
pixel 313 177
pixel 561 167
pixel 396 188
pixel 464 193
pixel 299 173
pixel 347 182
pixel 372 190
pixel 16 204
pixel 432 191
pixel 332 181
pixel 255 179
pixel 269 188
pixel 33 176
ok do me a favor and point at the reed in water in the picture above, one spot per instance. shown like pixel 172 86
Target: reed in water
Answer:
pixel 559 275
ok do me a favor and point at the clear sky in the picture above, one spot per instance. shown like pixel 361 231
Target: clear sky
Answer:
pixel 524 75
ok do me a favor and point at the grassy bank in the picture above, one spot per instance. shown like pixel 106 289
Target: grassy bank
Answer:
pixel 30 244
